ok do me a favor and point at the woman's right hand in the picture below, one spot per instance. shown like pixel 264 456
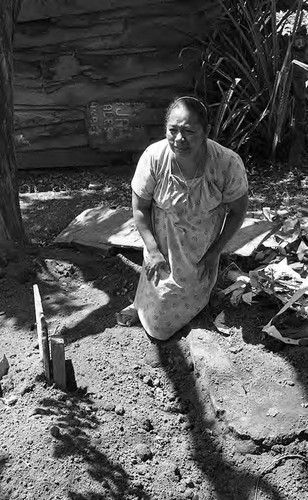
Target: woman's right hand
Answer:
pixel 155 264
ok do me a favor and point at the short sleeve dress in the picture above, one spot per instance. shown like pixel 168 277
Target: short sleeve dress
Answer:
pixel 185 224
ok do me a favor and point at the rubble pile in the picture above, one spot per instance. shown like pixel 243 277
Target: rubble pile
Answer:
pixel 281 272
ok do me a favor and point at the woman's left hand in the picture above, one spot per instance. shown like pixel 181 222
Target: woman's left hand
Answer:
pixel 208 264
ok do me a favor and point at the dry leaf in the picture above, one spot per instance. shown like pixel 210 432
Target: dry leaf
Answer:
pixel 267 213
pixel 236 297
pixel 247 297
pixel 302 252
pixel 219 322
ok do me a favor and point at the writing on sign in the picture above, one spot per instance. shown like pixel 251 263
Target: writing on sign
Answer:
pixel 115 124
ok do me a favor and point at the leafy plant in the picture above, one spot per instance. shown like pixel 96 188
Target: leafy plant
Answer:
pixel 246 74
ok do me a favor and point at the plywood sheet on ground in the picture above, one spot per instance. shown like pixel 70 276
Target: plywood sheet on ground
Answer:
pixel 252 233
pixel 101 226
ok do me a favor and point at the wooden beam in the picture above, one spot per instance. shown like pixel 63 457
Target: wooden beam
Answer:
pixel 58 362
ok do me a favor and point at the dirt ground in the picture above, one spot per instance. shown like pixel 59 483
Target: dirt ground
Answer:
pixel 132 424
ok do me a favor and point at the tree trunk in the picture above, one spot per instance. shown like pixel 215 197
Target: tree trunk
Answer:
pixel 11 227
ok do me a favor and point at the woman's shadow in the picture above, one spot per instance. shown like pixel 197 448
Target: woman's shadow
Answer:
pixel 226 480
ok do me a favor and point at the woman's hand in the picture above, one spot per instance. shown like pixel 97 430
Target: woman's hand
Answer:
pixel 155 264
pixel 208 264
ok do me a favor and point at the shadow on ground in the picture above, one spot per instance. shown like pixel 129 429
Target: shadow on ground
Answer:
pixel 75 420
pixel 227 481
pixel 4 458
pixel 80 290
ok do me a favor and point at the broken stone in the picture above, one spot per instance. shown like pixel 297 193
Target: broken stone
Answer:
pixel 26 388
pixel 147 380
pixel 143 451
pixel 55 431
pixel 119 410
pixel 246 447
pixel 146 424
pixel 272 412
pixel 188 494
pixel 291 383
pixel 235 349
pixel 11 400
pixel 108 406
pixel 4 366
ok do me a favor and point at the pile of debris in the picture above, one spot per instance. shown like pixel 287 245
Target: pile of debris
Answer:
pixel 281 272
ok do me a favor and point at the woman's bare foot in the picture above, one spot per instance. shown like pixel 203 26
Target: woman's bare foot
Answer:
pixel 128 316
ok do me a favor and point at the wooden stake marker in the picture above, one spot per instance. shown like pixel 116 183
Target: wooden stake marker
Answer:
pixel 38 315
pixel 57 373
pixel 42 333
pixel 58 362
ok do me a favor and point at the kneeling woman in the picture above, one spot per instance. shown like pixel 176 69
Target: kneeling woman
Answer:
pixel 189 198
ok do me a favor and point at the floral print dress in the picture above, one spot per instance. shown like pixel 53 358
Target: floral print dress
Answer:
pixel 185 223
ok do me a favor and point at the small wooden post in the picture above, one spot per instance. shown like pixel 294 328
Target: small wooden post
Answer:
pixel 42 333
pixel 38 314
pixel 58 362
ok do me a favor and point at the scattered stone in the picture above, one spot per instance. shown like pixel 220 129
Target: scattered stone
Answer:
pixel 171 396
pixel 119 409
pixel 55 431
pixel 146 424
pixel 4 365
pixel 291 383
pixel 143 451
pixel 168 408
pixel 190 365
pixel 147 380
pixel 156 382
pixel 108 406
pixel 159 393
pixel 189 482
pixel 246 447
pixel 26 388
pixel 188 494
pixel 272 412
pixel 236 349
pixel 11 400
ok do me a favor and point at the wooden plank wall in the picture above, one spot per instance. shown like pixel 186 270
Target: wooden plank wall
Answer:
pixel 75 56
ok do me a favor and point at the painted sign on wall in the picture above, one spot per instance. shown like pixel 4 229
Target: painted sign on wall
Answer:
pixel 118 124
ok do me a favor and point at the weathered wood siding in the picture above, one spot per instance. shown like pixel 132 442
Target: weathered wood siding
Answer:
pixel 93 77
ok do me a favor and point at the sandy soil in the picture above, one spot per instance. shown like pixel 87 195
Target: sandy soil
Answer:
pixel 132 424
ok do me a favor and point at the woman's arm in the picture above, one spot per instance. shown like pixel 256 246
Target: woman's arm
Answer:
pixel 234 220
pixel 142 215
pixel 142 218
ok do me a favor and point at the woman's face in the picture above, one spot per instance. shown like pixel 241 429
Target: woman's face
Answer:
pixel 184 132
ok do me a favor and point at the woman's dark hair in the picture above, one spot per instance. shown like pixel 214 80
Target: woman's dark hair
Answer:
pixel 192 104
